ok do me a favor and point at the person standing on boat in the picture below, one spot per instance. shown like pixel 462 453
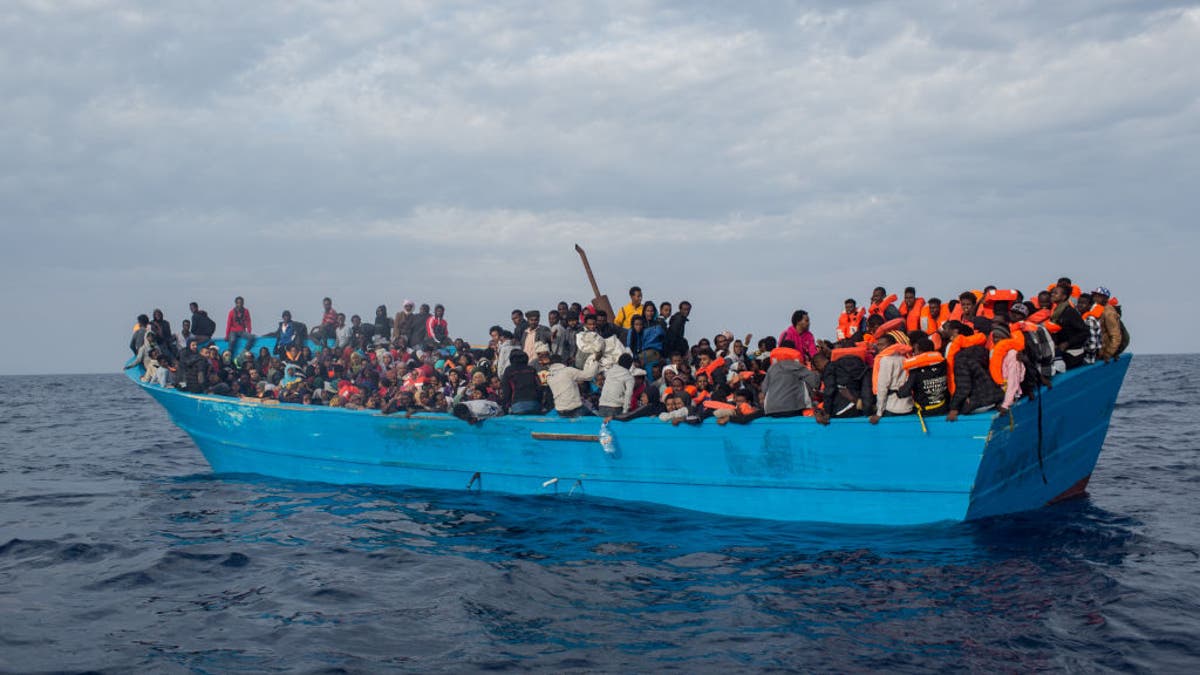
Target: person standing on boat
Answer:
pixel 383 324
pixel 617 393
pixel 675 342
pixel 562 341
pixel 1011 369
pixel 402 323
pixel 564 382
pixel 1113 338
pixel 238 325
pixel 624 318
pixel 1071 340
pixel 139 333
pixel 850 321
pixel 888 376
pixel 533 332
pixel 418 330
pixel 800 336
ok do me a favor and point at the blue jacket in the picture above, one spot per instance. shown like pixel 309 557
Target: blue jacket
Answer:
pixel 650 338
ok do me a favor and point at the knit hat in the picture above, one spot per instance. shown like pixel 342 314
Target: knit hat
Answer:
pixel 899 337
pixel 1019 309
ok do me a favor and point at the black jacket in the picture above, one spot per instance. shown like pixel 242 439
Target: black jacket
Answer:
pixel 844 382
pixel 928 388
pixel 520 383
pixel 202 325
pixel 973 384
pixel 1074 331
pixel 416 330
pixel 675 342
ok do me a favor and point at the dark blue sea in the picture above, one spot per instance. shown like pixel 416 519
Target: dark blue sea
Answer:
pixel 120 551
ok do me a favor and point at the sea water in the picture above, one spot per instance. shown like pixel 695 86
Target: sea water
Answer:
pixel 120 550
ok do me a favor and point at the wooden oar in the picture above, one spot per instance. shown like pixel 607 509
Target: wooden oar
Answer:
pixel 601 300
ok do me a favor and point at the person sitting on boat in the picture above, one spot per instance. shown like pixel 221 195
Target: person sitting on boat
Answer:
pixel 520 389
pixel 888 376
pixel 676 409
pixel 437 331
pixel 845 382
pixel 648 404
pixel 324 332
pixel 286 334
pixel 618 388
pixel 788 387
pixel 604 327
pixel 927 382
pixel 741 410
pixel 564 381
pixel 203 327
pixel 238 325
pixel 969 382
pixel 1005 364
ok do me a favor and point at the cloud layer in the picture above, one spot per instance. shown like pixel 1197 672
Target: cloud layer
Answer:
pixel 754 158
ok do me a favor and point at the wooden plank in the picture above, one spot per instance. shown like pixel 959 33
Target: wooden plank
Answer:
pixel 544 436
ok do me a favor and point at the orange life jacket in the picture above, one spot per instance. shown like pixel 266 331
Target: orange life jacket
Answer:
pixel 1094 312
pixel 1002 348
pixel 889 326
pixel 859 350
pixel 936 339
pixel 783 354
pixel 923 360
pixel 848 323
pixel 902 350
pixel 958 344
pixel 912 317
pixel 718 405
pixel 1075 290
pixel 878 308
pixel 930 323
pixel 713 365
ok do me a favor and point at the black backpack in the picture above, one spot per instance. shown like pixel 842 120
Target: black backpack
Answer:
pixel 1039 350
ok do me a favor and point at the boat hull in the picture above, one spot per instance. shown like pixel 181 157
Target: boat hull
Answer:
pixel 893 473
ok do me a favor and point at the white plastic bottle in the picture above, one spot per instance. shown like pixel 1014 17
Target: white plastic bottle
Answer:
pixel 606 439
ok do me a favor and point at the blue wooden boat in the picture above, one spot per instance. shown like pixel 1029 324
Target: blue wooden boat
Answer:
pixel 893 473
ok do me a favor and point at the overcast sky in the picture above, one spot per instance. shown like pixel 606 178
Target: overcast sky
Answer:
pixel 753 157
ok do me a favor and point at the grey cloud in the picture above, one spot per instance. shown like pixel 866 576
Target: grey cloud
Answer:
pixel 443 148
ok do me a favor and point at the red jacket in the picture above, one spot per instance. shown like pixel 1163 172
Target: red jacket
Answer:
pixel 232 324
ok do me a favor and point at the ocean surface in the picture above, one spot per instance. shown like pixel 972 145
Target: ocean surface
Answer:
pixel 120 551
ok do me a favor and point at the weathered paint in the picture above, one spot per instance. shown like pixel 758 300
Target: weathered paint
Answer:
pixel 785 469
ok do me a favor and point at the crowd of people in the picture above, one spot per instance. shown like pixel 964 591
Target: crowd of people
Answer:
pixel 979 351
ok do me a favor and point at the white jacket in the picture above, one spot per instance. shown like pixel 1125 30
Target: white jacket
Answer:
pixel 618 388
pixel 564 383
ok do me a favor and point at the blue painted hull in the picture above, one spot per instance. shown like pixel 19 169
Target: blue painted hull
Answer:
pixel 783 469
